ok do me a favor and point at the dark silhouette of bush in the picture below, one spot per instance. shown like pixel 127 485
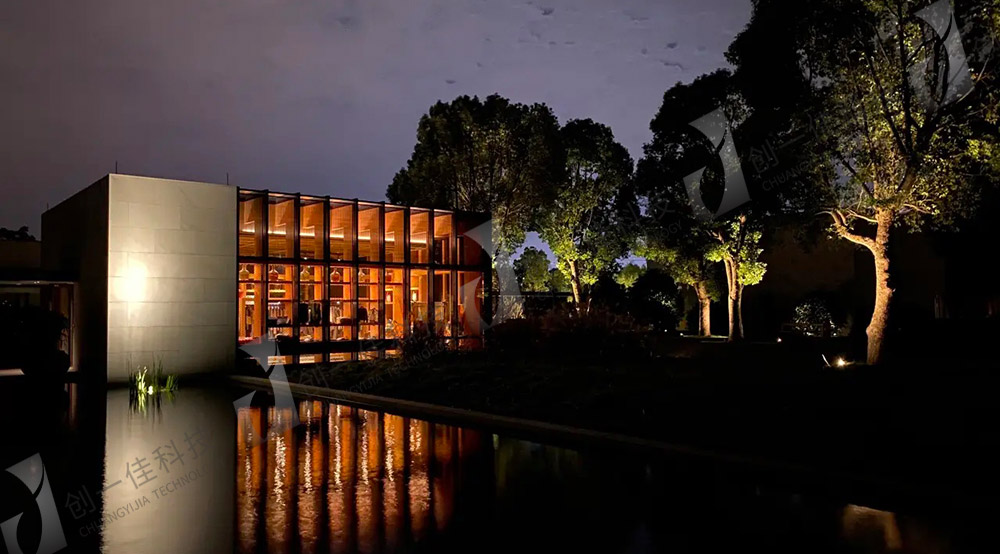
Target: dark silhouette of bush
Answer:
pixel 30 339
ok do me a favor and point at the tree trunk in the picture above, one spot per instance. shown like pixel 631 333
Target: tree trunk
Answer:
pixel 574 281
pixel 883 293
pixel 704 309
pixel 735 300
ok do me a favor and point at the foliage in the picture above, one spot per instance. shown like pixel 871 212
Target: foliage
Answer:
pixel 885 130
pixel 654 300
pixel 421 344
pixel 146 382
pixel 813 318
pixel 568 334
pixel 557 282
pixel 740 240
pixel 584 223
pixel 673 233
pixel 20 234
pixel 490 156
pixel 532 270
pixel 628 275
pixel 30 339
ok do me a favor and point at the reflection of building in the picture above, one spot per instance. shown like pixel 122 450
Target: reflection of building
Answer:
pixel 350 480
pixel 163 276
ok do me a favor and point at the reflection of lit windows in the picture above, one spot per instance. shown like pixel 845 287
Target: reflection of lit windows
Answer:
pixel 369 233
pixel 419 226
pixel 442 238
pixel 394 246
pixel 311 228
pixel 281 226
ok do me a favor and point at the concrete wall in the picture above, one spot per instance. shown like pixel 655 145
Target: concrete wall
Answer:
pixel 171 276
pixel 75 241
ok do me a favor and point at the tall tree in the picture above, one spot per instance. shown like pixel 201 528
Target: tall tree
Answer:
pixel 893 106
pixel 686 262
pixel 532 270
pixel 490 156
pixel 583 224
pixel 676 229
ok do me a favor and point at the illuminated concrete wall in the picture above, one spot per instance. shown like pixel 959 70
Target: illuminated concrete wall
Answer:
pixel 171 276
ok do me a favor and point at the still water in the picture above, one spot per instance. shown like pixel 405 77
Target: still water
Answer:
pixel 193 473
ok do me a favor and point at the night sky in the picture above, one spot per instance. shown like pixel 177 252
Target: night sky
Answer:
pixel 313 96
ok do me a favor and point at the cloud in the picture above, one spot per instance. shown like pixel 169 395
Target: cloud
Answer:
pixel 319 96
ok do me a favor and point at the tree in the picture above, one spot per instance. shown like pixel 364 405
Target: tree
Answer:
pixel 489 156
pixel 739 251
pixel 654 299
pixel 532 270
pixel 583 224
pixel 896 120
pixel 687 265
pixel 628 275
pixel 20 234
pixel 557 281
pixel 676 231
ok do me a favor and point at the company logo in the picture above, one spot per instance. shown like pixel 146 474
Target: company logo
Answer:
pixel 286 411
pixel 955 81
pixel 510 301
pixel 32 473
pixel 716 128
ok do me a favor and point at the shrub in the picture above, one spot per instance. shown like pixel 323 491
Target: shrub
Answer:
pixel 813 318
pixel 564 333
pixel 421 344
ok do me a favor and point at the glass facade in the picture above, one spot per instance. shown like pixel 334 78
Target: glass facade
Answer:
pixel 381 273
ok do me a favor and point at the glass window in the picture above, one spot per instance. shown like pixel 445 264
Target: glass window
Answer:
pixel 311 297
pixel 369 292
pixel 394 247
pixel 282 336
pixel 419 316
pixel 394 304
pixel 251 225
pixel 369 233
pixel 442 238
pixel 280 295
pixel 444 304
pixel 341 303
pixel 250 317
pixel 311 229
pixel 341 230
pixel 419 224
pixel 470 252
pixel 470 303
pixel 281 226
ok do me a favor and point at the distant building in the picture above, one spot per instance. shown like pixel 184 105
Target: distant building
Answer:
pixel 23 283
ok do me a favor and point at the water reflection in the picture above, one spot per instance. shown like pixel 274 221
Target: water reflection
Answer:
pixel 350 480
pixel 347 480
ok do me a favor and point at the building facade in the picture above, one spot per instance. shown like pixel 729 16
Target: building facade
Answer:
pixel 335 280
pixel 183 274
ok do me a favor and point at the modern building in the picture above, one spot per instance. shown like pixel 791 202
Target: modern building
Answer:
pixel 186 273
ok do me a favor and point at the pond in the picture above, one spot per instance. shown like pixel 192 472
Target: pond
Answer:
pixel 209 470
